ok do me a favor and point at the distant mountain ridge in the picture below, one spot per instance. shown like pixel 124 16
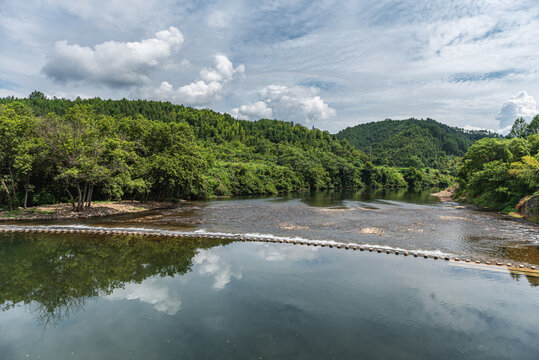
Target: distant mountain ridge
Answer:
pixel 411 142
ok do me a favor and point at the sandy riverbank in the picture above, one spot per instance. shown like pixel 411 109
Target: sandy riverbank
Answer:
pixel 64 211
pixel 446 194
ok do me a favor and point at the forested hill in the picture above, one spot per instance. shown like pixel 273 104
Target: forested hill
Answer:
pixel 206 124
pixel 411 142
pixel 55 150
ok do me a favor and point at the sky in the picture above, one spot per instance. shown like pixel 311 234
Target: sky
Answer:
pixel 327 64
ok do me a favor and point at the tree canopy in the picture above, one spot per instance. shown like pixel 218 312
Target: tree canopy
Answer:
pixel 412 142
pixel 497 173
pixel 59 150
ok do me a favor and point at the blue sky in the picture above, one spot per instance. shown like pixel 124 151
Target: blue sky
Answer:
pixel 328 64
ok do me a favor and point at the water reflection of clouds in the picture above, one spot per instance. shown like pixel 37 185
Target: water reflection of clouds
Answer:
pixel 290 253
pixel 151 291
pixel 212 264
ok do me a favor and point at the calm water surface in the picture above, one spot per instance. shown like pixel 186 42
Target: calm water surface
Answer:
pixel 87 297
pixel 75 296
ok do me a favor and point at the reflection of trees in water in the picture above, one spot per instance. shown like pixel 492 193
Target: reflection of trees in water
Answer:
pixel 57 274
pixel 522 253
pixel 48 316
pixel 533 280
pixel 338 197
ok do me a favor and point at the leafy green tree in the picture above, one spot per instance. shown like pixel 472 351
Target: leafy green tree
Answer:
pixel 17 147
pixel 482 152
pixel 36 95
pixel 519 129
pixel 533 127
pixel 85 149
pixel 498 173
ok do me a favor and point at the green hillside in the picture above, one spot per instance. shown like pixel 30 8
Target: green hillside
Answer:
pixel 55 150
pixel 411 142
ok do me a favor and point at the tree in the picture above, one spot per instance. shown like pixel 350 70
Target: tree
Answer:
pixel 497 173
pixel 533 127
pixel 76 145
pixel 482 152
pixel 17 144
pixel 413 177
pixel 36 95
pixel 107 149
pixel 519 129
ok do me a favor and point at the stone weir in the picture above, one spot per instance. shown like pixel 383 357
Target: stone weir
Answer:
pixel 497 265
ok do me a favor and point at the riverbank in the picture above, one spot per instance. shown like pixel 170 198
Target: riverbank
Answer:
pixel 100 208
pixel 528 213
pixel 526 209
pixel 446 194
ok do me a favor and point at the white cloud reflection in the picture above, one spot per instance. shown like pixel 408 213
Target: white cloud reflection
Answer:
pixel 287 253
pixel 151 291
pixel 211 264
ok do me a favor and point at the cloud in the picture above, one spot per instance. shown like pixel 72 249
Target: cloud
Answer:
pixel 501 131
pixel 112 63
pixel 519 105
pixel 297 103
pixel 256 110
pixel 482 76
pixel 150 291
pixel 219 19
pixel 477 128
pixel 212 85
pixel 445 59
pixel 209 263
pixel 6 92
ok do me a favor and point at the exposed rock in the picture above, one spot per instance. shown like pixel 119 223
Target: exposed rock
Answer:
pixel 372 230
pixel 529 207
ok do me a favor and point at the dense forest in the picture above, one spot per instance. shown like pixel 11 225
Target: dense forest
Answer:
pixel 59 150
pixel 498 173
pixel 411 143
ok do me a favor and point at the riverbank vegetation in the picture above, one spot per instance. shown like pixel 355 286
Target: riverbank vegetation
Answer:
pixel 498 173
pixel 58 150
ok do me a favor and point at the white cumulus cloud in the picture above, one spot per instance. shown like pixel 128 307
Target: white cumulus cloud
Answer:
pixel 112 63
pixel 519 105
pixel 256 110
pixel 297 103
pixel 211 86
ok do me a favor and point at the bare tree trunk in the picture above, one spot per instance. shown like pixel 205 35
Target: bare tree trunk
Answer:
pixel 70 197
pixel 79 200
pixel 26 190
pixel 4 186
pixel 13 185
pixel 84 194
pixel 90 193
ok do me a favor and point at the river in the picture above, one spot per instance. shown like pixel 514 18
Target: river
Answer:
pixel 87 296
